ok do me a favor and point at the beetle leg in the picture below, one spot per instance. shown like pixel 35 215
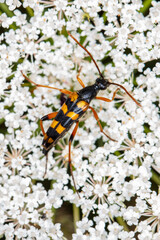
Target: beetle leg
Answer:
pixel 45 86
pixel 101 129
pixel 106 99
pixel 78 78
pixel 70 161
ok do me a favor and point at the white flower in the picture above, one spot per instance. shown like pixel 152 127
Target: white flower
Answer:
pixel 109 175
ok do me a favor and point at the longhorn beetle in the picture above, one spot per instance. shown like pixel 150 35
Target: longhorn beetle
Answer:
pixel 73 109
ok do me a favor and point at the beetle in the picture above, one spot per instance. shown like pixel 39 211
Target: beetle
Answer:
pixel 73 109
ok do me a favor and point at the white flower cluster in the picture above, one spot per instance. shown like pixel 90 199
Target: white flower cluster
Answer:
pixel 117 181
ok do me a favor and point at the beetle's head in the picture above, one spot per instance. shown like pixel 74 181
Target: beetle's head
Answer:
pixel 102 83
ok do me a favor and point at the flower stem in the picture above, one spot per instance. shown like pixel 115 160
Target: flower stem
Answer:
pixel 155 177
pixel 4 8
pixel 146 6
pixel 76 216
pixel 122 223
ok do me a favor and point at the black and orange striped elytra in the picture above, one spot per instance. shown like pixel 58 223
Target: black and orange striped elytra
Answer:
pixel 73 109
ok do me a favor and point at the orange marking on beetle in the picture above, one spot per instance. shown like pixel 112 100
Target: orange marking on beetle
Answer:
pixel 74 96
pixel 82 104
pixel 64 108
pixel 50 140
pixel 60 129
pixel 54 123
pixel 72 115
pixel 45 136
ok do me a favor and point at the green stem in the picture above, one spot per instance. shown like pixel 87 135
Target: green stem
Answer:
pixel 4 8
pixel 54 214
pixel 122 223
pixel 29 11
pixel 76 216
pixel 146 6
pixel 155 177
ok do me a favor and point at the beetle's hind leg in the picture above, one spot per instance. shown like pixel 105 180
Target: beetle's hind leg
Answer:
pixel 70 161
pixel 45 172
pixel 45 152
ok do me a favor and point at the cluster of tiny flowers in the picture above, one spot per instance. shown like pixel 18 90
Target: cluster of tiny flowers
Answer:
pixel 117 198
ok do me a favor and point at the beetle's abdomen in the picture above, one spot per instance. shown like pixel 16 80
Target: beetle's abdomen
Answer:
pixel 69 113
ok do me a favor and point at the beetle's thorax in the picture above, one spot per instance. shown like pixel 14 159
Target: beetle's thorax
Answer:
pixel 90 92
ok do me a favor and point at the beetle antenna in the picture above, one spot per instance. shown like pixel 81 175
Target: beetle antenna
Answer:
pixel 87 52
pixel 100 71
pixel 127 93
